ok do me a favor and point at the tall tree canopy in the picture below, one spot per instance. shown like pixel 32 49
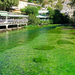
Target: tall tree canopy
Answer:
pixel 30 10
pixel 73 2
pixel 59 6
pixel 8 3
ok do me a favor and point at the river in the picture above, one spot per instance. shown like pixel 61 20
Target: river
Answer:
pixel 15 38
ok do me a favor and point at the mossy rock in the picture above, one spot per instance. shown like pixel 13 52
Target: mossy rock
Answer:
pixel 64 42
pixel 40 59
pixel 44 47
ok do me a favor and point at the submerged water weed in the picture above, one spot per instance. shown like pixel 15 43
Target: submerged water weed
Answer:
pixel 44 47
pixel 40 59
pixel 70 37
pixel 64 42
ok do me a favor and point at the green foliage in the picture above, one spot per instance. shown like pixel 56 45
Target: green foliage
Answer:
pixel 56 17
pixel 59 1
pixel 49 8
pixel 39 7
pixel 59 6
pixel 22 10
pixel 51 14
pixel 41 1
pixel 73 3
pixel 51 1
pixel 30 10
pixel 29 0
pixel 33 20
pixel 43 4
pixel 8 3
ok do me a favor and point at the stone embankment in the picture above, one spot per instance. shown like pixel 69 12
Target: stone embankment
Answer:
pixel 10 29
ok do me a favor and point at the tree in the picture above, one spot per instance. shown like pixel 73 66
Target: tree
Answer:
pixel 39 7
pixel 56 17
pixel 30 10
pixel 73 3
pixel 59 6
pixel 72 19
pixel 41 1
pixel 33 20
pixel 29 0
pixel 51 14
pixel 51 1
pixel 8 3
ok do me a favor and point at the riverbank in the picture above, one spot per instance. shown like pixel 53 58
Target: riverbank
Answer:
pixel 10 29
pixel 29 26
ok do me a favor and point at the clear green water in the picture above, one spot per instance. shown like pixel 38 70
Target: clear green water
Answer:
pixel 15 38
pixel 38 51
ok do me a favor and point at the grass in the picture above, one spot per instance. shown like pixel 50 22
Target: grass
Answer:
pixel 50 53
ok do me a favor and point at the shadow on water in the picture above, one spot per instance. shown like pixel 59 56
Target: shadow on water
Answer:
pixel 10 40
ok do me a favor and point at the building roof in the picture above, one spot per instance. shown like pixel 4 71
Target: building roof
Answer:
pixel 3 13
pixel 17 15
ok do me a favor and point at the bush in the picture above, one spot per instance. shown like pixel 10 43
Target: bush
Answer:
pixel 33 20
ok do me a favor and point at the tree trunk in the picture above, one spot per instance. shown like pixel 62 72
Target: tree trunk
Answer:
pixel 4 8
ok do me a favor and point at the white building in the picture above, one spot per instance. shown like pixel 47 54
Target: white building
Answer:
pixel 16 9
pixel 43 14
pixel 33 4
pixel 22 4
